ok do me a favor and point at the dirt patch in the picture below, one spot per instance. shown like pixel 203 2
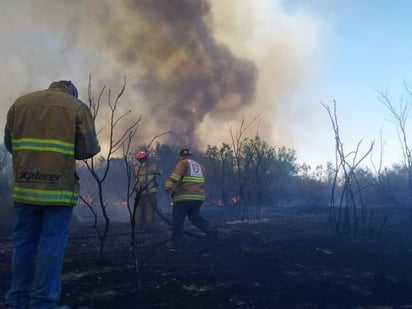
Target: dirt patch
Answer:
pixel 288 261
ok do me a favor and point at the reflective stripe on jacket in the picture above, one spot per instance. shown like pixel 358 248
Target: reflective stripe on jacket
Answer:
pixel 46 131
pixel 145 174
pixel 187 181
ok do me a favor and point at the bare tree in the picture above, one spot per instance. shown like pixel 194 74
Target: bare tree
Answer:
pixel 399 116
pixel 348 210
pixel 384 185
pixel 131 188
pixel 114 144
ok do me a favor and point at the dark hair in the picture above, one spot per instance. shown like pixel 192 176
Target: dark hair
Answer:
pixel 72 88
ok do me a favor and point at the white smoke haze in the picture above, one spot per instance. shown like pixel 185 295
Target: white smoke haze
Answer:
pixel 194 67
pixel 285 47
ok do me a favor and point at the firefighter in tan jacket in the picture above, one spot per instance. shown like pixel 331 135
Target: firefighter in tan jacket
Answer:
pixel 46 132
pixel 146 189
pixel 187 187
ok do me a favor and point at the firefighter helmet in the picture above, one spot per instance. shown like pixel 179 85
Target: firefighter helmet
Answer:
pixel 141 155
pixel 185 152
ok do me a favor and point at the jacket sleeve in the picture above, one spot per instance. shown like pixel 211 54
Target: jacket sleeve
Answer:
pixel 176 175
pixel 86 143
pixel 137 173
pixel 8 129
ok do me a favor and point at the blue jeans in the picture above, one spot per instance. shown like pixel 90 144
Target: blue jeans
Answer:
pixel 39 237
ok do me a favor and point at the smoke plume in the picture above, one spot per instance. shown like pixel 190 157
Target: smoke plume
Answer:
pixel 192 66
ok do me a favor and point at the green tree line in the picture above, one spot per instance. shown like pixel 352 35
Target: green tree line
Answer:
pixel 261 176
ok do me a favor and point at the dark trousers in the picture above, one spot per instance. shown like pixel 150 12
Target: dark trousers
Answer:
pixel 192 210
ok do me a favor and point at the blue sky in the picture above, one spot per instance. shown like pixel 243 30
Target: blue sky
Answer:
pixel 369 50
pixel 373 44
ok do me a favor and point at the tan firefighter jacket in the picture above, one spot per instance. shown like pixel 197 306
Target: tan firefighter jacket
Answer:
pixel 187 181
pixel 145 174
pixel 45 132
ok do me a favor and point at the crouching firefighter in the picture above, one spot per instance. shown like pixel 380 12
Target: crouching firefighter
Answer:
pixel 146 189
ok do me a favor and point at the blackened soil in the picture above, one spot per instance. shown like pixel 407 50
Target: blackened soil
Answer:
pixel 291 260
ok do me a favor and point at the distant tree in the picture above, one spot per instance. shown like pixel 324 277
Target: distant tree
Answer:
pixel 269 171
pixel 259 157
pixel 383 180
pixel 395 185
pixel 249 173
pixel 400 116
pixel 284 168
pixel 310 189
pixel 237 142
pixel 219 164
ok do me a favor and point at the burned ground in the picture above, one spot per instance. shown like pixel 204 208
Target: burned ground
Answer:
pixel 290 260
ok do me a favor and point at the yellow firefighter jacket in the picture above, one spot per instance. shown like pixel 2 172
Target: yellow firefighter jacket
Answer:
pixel 145 174
pixel 45 132
pixel 187 181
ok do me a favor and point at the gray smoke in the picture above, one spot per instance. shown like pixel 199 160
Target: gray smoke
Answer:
pixel 192 67
pixel 183 73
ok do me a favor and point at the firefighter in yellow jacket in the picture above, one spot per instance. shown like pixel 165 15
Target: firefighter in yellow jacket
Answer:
pixel 187 187
pixel 146 189
pixel 46 131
